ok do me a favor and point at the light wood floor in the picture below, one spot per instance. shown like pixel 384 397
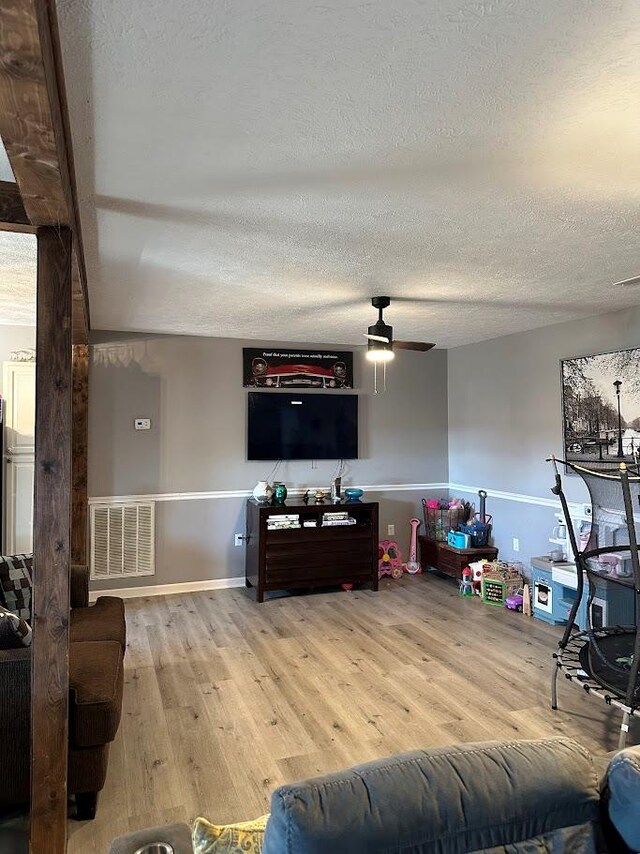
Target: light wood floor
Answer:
pixel 225 699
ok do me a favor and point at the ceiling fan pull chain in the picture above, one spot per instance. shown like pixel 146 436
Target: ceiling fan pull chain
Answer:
pixel 377 390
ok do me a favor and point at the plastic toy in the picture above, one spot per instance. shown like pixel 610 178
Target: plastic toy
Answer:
pixel 458 540
pixel 515 601
pixel 413 567
pixel 389 559
pixel 477 567
pixel 466 585
pixel 499 581
pixel 526 600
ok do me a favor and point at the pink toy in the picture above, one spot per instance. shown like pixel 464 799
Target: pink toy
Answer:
pixel 413 566
pixel 389 559
pixel 613 565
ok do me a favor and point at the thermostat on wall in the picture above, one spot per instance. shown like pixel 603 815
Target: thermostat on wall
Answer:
pixel 142 424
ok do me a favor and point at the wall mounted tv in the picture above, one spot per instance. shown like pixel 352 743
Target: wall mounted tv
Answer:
pixel 302 426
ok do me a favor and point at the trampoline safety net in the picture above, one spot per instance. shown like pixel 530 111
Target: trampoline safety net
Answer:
pixel 606 554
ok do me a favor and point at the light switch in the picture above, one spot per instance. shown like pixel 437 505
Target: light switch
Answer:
pixel 142 424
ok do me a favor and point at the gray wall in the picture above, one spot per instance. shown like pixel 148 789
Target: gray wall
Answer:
pixel 15 338
pixel 505 418
pixel 191 388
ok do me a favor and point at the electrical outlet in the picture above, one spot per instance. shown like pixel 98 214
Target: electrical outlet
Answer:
pixel 142 424
pixel 238 540
pixel 391 529
pixel 516 544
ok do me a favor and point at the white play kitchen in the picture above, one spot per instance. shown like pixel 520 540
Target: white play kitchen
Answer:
pixel 554 581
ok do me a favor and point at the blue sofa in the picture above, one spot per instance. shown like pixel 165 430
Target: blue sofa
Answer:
pixel 445 800
pixel 528 797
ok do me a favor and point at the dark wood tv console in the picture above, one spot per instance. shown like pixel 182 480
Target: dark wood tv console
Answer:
pixel 311 557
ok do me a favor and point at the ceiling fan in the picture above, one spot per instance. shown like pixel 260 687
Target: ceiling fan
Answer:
pixel 380 340
pixel 628 283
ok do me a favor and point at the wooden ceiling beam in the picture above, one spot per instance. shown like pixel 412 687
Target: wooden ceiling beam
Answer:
pixel 11 208
pixel 27 125
pixel 79 326
pixel 34 125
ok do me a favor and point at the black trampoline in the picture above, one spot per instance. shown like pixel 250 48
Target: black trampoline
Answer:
pixel 604 658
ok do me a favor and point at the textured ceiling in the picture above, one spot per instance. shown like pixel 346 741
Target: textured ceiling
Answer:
pixel 260 169
pixel 17 279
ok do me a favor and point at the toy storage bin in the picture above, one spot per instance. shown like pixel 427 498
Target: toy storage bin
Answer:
pixel 438 521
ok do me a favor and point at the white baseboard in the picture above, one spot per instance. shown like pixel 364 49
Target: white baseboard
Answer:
pixel 169 589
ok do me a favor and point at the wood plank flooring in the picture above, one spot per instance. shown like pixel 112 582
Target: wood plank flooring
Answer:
pixel 225 699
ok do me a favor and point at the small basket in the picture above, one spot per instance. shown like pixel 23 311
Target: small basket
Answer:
pixel 438 521
pixel 479 532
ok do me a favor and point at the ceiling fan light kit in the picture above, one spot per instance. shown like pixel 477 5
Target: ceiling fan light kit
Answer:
pixel 380 335
pixel 380 355
pixel 380 343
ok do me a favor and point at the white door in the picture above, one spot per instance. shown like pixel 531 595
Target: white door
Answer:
pixel 19 504
pixel 19 389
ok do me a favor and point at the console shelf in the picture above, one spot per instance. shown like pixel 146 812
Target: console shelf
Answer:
pixel 321 556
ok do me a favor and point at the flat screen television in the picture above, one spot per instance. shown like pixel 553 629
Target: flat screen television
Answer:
pixel 302 426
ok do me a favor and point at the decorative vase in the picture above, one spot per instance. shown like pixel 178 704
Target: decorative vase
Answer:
pixel 262 492
pixel 280 493
pixel 352 494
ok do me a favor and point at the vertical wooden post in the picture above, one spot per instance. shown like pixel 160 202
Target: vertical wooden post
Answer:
pixel 50 651
pixel 80 415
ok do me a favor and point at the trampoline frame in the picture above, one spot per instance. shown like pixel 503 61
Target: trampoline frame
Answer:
pixel 572 643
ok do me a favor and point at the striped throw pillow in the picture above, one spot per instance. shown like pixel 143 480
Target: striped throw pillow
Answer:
pixel 14 631
pixel 16 583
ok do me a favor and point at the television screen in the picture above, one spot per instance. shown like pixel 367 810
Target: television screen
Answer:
pixel 302 426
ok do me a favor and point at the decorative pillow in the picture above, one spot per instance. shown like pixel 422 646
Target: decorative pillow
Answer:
pixel 14 631
pixel 246 837
pixel 623 778
pixel 16 584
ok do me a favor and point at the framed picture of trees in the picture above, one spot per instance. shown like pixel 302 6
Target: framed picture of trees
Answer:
pixel 601 408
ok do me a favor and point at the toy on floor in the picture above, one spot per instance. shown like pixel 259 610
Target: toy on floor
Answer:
pixel 514 601
pixel 413 566
pixel 526 601
pixel 499 581
pixel 389 559
pixel 466 582
pixel 477 568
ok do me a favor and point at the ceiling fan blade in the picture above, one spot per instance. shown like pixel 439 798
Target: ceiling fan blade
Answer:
pixel 628 283
pixel 412 345
pixel 376 338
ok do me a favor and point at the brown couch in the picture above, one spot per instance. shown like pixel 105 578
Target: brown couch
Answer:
pixel 96 653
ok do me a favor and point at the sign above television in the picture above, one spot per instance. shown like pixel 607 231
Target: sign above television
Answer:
pixel 274 368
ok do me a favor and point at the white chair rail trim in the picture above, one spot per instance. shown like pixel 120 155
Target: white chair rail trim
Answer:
pixel 218 494
pixel 246 493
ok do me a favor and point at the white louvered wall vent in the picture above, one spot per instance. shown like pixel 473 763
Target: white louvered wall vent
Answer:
pixel 122 540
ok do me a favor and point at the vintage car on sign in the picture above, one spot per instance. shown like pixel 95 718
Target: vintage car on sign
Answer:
pixel 281 376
